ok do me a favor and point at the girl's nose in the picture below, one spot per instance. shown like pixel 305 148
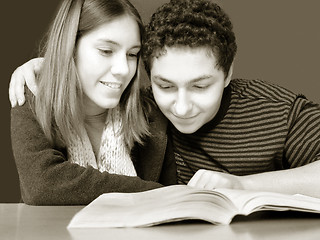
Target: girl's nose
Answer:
pixel 120 65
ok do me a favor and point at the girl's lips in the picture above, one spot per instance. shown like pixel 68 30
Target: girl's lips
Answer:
pixel 112 85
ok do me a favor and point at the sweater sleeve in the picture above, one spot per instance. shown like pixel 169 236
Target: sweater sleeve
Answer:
pixel 303 140
pixel 47 178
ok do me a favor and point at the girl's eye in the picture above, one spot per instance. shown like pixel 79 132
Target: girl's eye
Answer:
pixel 106 52
pixel 133 55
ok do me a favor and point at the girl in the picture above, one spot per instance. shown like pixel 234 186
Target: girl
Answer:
pixel 87 130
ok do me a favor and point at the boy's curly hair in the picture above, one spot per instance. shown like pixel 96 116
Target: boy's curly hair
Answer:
pixel 191 23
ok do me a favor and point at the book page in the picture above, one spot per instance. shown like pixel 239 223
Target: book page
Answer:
pixel 181 202
pixel 167 204
pixel 251 201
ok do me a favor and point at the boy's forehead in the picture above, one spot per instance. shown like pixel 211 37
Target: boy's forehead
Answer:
pixel 181 53
pixel 190 64
pixel 181 49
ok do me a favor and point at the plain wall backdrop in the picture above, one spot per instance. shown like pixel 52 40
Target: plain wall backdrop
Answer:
pixel 278 41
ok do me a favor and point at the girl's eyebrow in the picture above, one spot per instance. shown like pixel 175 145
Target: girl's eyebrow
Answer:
pixel 116 43
pixel 102 40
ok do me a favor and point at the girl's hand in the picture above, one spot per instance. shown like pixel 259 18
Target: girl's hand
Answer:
pixel 24 75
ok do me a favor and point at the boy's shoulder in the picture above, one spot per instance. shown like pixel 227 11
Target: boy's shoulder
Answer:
pixel 261 90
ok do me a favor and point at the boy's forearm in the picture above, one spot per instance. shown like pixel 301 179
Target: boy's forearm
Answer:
pixel 302 180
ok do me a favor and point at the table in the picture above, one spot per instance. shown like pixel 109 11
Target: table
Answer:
pixel 24 222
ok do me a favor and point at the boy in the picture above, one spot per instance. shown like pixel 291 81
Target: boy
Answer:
pixel 225 133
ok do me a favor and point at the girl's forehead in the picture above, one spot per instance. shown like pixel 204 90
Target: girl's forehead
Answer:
pixel 123 30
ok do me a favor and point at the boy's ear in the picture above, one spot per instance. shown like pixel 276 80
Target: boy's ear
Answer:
pixel 229 77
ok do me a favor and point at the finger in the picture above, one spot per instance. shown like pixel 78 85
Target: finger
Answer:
pixel 193 181
pixel 204 179
pixel 14 98
pixel 19 89
pixel 209 185
pixel 197 179
pixel 31 75
pixel 30 80
pixel 31 70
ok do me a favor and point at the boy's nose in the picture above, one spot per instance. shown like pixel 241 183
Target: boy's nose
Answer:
pixel 182 105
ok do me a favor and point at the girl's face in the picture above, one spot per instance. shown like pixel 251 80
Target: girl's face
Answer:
pixel 106 61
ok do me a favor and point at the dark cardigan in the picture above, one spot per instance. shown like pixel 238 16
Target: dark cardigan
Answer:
pixel 47 178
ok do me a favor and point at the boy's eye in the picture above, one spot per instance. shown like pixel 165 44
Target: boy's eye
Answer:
pixel 200 86
pixel 165 86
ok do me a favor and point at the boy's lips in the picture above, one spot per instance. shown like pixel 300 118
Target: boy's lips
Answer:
pixel 185 118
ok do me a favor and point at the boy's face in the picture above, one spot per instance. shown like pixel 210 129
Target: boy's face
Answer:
pixel 188 86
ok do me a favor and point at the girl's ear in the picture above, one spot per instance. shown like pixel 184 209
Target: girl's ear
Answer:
pixel 229 77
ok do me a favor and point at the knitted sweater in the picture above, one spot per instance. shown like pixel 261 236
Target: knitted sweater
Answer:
pixel 112 156
pixel 260 127
pixel 48 178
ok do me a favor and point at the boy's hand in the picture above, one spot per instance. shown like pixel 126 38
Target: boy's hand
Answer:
pixel 25 74
pixel 211 179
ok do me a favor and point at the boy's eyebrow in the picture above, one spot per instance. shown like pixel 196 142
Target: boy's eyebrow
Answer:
pixel 198 79
pixel 162 79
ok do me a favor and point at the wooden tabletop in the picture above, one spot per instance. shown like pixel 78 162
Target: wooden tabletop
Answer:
pixel 21 221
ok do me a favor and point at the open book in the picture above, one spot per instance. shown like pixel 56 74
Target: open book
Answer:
pixel 181 202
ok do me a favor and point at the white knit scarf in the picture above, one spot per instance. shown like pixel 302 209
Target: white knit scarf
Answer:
pixel 113 155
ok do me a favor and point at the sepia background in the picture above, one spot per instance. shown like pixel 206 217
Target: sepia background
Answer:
pixel 278 41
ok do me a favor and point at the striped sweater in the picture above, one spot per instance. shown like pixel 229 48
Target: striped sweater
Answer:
pixel 260 127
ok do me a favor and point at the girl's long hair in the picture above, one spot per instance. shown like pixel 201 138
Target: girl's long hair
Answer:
pixel 59 101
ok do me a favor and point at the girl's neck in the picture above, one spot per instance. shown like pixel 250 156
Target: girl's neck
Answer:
pixel 96 118
pixel 94 125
